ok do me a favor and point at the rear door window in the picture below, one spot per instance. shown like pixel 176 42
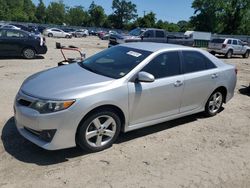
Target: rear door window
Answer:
pixel 229 41
pixel 217 40
pixel 195 61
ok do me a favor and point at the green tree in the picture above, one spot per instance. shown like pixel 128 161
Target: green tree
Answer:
pixel 97 15
pixel 41 12
pixel 29 10
pixel 124 11
pixel 233 15
pixel 3 10
pixel 147 21
pixel 206 15
pixel 77 16
pixel 224 16
pixel 184 26
pixel 245 24
pixel 56 13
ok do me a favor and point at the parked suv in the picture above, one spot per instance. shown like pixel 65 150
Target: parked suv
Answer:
pixel 229 47
pixel 54 32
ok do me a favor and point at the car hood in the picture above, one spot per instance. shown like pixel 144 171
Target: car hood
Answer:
pixel 64 82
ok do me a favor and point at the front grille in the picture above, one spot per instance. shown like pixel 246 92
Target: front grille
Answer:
pixel 24 102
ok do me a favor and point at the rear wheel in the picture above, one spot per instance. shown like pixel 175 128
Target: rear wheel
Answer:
pixel 29 53
pixel 214 103
pixel 50 35
pixel 229 54
pixel 98 131
pixel 246 55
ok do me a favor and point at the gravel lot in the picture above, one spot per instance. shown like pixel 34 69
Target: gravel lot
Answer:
pixel 189 152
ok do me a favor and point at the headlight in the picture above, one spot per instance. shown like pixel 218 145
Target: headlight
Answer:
pixel 51 106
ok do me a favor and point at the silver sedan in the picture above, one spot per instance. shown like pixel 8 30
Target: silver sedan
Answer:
pixel 122 88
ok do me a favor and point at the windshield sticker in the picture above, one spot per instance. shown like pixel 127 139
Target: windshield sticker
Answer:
pixel 135 54
pixel 122 73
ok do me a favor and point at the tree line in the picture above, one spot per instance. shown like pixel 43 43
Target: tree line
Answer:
pixel 224 16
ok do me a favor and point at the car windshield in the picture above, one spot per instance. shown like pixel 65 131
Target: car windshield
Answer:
pixel 115 62
pixel 135 32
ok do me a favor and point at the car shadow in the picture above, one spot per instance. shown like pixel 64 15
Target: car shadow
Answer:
pixel 245 90
pixel 25 151
pixel 20 57
pixel 233 57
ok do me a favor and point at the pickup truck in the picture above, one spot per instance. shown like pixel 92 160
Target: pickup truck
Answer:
pixel 228 47
pixel 149 35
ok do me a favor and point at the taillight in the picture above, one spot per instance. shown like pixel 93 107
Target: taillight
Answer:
pixel 224 45
pixel 236 71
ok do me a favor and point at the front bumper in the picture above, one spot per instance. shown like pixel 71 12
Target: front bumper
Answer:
pixel 42 49
pixel 32 125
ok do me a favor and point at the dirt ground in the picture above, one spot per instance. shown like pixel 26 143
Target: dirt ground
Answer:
pixel 189 152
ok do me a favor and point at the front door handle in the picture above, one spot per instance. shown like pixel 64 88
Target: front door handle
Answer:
pixel 178 83
pixel 214 75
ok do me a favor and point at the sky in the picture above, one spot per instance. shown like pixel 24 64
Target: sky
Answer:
pixel 167 10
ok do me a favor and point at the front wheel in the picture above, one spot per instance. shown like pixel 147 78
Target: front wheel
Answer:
pixel 246 55
pixel 29 53
pixel 99 131
pixel 214 104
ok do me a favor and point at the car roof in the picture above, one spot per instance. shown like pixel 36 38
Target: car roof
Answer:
pixel 153 47
pixel 10 29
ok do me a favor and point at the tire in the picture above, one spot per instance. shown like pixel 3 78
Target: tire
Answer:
pixel 50 35
pixel 246 55
pixel 229 54
pixel 29 53
pixel 93 135
pixel 67 36
pixel 213 53
pixel 214 103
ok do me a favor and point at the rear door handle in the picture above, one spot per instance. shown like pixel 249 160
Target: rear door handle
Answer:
pixel 178 83
pixel 214 75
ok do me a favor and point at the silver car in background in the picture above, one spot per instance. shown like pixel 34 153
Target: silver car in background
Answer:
pixel 122 88
pixel 54 32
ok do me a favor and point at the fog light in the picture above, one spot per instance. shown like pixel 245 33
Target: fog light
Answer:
pixel 47 135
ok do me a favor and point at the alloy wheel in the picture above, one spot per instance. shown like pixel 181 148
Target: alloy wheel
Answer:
pixel 215 102
pixel 100 131
pixel 29 53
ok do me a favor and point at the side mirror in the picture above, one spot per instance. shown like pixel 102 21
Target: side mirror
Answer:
pixel 145 77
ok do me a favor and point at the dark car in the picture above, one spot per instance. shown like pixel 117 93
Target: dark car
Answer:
pixel 21 43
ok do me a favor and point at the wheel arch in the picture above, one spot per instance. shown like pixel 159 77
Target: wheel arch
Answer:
pixel 111 107
pixel 223 90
